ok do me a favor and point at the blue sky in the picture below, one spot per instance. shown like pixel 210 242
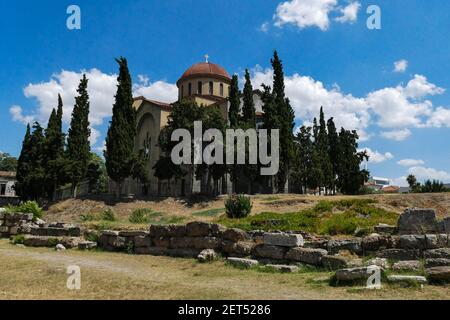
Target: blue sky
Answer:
pixel 331 58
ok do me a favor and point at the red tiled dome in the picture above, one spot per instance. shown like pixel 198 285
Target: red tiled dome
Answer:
pixel 207 69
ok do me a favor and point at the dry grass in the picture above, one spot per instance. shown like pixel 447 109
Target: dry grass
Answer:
pixel 40 274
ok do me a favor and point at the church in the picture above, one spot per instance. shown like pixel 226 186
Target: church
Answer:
pixel 208 85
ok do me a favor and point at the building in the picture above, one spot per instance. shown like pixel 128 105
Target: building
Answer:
pixel 205 83
pixel 7 181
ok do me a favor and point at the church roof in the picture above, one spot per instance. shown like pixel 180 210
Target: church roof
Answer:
pixel 7 174
pixel 162 105
pixel 206 69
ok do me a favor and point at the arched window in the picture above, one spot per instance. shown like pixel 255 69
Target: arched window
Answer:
pixel 190 89
pixel 199 87
pixel 221 89
pixel 211 88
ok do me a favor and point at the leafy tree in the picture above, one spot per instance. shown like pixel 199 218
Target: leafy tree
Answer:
pixel 414 186
pixel 119 153
pixel 302 166
pixel 351 177
pixel 78 147
pixel 96 174
pixel 7 162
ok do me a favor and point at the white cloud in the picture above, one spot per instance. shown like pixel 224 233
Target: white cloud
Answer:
pixel 419 87
pixel 102 88
pixel 423 173
pixel 396 135
pixel 400 66
pixel 264 27
pixel 17 115
pixel 377 157
pixel 439 118
pixel 401 182
pixel 411 162
pixel 305 13
pixel 349 13
pixel 159 90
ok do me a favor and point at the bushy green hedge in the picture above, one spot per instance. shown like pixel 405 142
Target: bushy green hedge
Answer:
pixel 27 207
pixel 238 206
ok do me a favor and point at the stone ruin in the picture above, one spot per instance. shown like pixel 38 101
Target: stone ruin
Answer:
pixel 419 241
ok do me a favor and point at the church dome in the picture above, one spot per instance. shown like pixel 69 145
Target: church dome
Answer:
pixel 205 69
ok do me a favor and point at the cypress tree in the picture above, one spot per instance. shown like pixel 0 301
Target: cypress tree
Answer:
pixel 286 122
pixel 333 149
pixel 233 113
pixel 119 153
pixel 323 153
pixel 78 147
pixel 36 174
pixel 54 150
pixel 248 108
pixel 23 166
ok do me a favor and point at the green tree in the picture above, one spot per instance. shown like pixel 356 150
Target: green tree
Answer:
pixel 24 166
pixel 333 149
pixel 323 153
pixel 36 175
pixel 119 153
pixel 302 166
pixel 7 162
pixel 351 177
pixel 286 118
pixel 248 108
pixel 234 98
pixel 54 151
pixel 412 182
pixel 78 147
pixel 96 175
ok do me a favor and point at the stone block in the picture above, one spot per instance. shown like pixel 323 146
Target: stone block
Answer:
pixel 198 229
pixel 352 245
pixel 87 245
pixel 205 242
pixel 306 255
pixel 242 263
pixel 334 262
pixel 283 268
pixel 283 239
pixel 413 242
pixel 354 274
pixel 438 274
pixel 437 253
pixel 437 262
pixel 407 279
pixel 142 241
pixel 408 265
pixel 234 235
pixel 418 221
pixel 269 251
pixel 399 254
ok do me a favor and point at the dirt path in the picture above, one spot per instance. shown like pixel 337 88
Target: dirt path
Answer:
pixel 29 273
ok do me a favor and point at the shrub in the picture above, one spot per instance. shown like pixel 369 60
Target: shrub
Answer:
pixel 18 239
pixel 27 207
pixel 141 216
pixel 108 215
pixel 238 206
pixel 88 217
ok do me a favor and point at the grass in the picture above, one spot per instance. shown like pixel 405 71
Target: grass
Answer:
pixel 138 219
pixel 341 217
pixel 209 213
pixel 40 273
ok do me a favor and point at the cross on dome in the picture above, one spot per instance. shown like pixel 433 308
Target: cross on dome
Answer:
pixel 206 58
